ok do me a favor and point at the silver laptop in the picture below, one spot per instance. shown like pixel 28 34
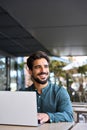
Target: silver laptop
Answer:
pixel 18 108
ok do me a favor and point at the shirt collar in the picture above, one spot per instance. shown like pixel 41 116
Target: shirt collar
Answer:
pixel 43 89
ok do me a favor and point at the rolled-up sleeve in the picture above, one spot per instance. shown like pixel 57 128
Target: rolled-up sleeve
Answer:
pixel 64 112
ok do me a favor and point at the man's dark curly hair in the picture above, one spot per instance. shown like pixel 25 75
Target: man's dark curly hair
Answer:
pixel 36 55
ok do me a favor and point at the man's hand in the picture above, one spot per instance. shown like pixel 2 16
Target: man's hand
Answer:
pixel 43 117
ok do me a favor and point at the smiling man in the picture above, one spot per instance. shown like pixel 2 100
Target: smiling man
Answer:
pixel 53 102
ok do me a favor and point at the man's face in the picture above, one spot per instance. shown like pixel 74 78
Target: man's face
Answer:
pixel 40 71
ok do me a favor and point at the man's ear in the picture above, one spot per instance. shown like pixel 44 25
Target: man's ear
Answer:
pixel 30 72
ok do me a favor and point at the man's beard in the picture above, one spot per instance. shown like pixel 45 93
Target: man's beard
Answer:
pixel 40 81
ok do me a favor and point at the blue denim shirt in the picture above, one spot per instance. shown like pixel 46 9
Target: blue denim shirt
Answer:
pixel 54 101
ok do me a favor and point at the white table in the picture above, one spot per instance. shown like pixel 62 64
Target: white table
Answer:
pixel 79 104
pixel 80 126
pixel 46 126
pixel 79 110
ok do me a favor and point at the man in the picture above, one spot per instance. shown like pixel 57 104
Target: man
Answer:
pixel 53 102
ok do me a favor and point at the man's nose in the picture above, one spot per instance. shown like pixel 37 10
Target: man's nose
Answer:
pixel 42 69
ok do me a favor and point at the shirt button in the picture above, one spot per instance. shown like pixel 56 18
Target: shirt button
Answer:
pixel 39 96
pixel 38 107
pixel 50 120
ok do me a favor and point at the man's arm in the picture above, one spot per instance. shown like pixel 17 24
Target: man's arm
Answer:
pixel 64 111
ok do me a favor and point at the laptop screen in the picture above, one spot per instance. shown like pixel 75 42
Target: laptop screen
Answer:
pixel 18 108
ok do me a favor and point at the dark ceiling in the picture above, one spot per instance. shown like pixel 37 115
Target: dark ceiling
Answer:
pixel 14 39
pixel 58 27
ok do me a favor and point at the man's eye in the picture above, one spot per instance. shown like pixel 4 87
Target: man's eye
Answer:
pixel 46 66
pixel 36 67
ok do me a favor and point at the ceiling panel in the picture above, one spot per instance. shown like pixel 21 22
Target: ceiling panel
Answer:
pixel 57 26
pixel 14 39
